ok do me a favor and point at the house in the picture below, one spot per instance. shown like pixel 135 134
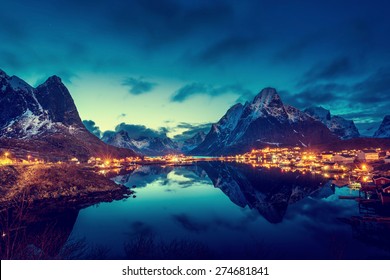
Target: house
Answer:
pixel 343 158
pixel 327 156
pixel 381 181
pixel 368 155
pixel 387 159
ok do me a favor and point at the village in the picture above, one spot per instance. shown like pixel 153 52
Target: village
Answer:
pixel 365 170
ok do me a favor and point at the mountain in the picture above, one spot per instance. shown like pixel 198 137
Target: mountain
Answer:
pixel 44 121
pixel 191 143
pixel 384 129
pixel 264 121
pixel 269 191
pixel 150 146
pixel 344 129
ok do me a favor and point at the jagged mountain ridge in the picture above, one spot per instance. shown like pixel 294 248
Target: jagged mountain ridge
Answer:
pixel 343 128
pixel 191 143
pixel 45 121
pixel 264 121
pixel 150 146
pixel 384 128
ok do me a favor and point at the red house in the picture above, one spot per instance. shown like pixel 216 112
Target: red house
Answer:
pixel 381 181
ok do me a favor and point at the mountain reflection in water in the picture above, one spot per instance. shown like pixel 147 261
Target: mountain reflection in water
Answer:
pixel 214 210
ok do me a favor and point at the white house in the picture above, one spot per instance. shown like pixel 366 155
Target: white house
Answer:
pixel 368 155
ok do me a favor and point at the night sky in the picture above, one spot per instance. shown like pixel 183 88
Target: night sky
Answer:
pixel 168 66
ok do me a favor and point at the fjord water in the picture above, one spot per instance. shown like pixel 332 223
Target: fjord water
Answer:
pixel 221 210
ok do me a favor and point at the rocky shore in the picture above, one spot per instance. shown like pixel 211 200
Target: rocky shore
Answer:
pixel 56 182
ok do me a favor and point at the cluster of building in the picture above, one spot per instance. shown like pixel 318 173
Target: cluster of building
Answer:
pixel 358 164
pixel 108 162
pixel 8 159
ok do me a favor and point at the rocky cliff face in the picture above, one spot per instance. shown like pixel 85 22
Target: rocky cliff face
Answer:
pixel 264 121
pixel 149 146
pixel 45 121
pixel 342 128
pixel 384 129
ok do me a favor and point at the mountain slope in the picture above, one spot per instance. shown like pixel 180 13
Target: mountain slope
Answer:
pixel 264 121
pixel 344 129
pixel 150 146
pixel 384 129
pixel 44 121
pixel 191 143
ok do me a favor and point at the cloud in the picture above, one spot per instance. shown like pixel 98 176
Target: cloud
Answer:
pixel 375 88
pixel 139 228
pixel 66 77
pixel 338 67
pixel 353 100
pixel 10 59
pixel 136 131
pixel 92 127
pixel 189 223
pixel 296 49
pixel 191 130
pixel 320 94
pixel 189 90
pixel 138 85
pixel 167 19
pixel 11 30
pixel 233 45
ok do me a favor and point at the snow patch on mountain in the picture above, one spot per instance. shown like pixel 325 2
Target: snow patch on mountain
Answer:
pixel 268 103
pixel 150 146
pixel 295 115
pixel 140 144
pixel 265 118
pixel 18 84
pixel 344 129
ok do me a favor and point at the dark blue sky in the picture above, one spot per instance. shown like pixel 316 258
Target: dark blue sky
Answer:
pixel 176 65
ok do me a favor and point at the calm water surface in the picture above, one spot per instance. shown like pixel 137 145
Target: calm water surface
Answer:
pixel 229 211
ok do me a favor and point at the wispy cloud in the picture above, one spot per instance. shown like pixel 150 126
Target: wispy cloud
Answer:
pixel 330 70
pixel 191 130
pixel 136 131
pixel 138 86
pixel 92 127
pixel 189 90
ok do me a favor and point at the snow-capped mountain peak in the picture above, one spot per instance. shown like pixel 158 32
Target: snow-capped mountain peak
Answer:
pixel 27 111
pixel 45 120
pixel 263 121
pixel 268 97
pixel 18 84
